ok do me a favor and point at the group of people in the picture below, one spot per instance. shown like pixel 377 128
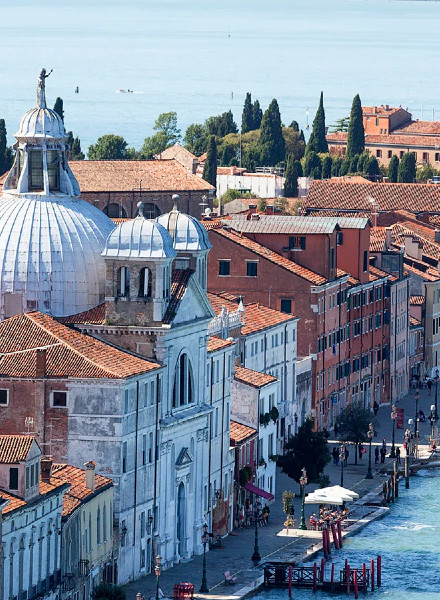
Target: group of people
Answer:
pixel 327 515
pixel 246 515
pixel 338 452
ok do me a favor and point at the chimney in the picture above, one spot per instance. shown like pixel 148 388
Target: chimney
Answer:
pixel 252 209
pixel 90 475
pixel 46 468
pixel 388 237
pixel 437 236
pixel 40 369
pixel 269 209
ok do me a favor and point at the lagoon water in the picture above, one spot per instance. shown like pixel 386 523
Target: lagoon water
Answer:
pixel 200 57
pixel 407 540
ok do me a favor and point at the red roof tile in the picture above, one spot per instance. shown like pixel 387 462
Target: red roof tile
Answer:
pixel 417 300
pixel 430 274
pixel 15 448
pixel 124 175
pixel 414 322
pixel 78 492
pixel 379 274
pixel 258 317
pixel 215 343
pixel 253 378
pixel 94 316
pixel 68 352
pixel 219 300
pixel 241 433
pixel 270 255
pixel 16 503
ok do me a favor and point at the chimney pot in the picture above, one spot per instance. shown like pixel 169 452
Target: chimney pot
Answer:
pixel 40 368
pixel 46 468
pixel 90 475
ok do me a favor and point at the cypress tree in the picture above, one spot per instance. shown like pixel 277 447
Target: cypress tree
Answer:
pixel 247 117
pixel 393 169
pixel 326 167
pixel 354 162
pixel 312 166
pixel 356 133
pixel 58 107
pixel 76 153
pixel 271 143
pixel 362 162
pixel 317 141
pixel 294 125
pixel 336 166
pixel 210 168
pixel 3 148
pixel 372 168
pixel 291 175
pixel 257 115
pixel 344 168
pixel 301 137
pixel 406 172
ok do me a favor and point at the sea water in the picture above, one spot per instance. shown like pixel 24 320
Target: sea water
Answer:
pixel 408 541
pixel 200 57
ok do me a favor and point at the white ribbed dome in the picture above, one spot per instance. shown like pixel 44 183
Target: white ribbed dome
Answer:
pixel 139 238
pixel 187 232
pixel 50 255
pixel 41 123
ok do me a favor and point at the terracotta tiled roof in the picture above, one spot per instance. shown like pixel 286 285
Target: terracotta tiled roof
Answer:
pixel 379 274
pixel 414 322
pixel 215 343
pixel 175 151
pixel 400 138
pixel 377 239
pixel 259 317
pixel 15 448
pixel 215 223
pixel 16 503
pixel 241 433
pixel 423 233
pixel 219 300
pixel 417 300
pixel 124 175
pixel 253 378
pixel 94 316
pixel 270 255
pixel 414 197
pixel 380 110
pixel 68 352
pixel 179 283
pixel 231 171
pixel 78 492
pixel 420 127
pixel 430 274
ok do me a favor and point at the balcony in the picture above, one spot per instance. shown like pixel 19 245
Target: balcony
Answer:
pixel 68 583
pixel 83 567
pixel 225 321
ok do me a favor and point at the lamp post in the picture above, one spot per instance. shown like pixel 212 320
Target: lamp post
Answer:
pixel 416 398
pixel 432 420
pixel 393 418
pixel 342 458
pixel 436 385
pixel 256 557
pixel 370 434
pixel 295 416
pixel 204 587
pixel 303 483
pixel 410 424
pixel 157 571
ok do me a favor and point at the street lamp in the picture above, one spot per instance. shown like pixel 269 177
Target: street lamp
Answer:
pixel 410 424
pixel 393 418
pixel 342 458
pixel 303 483
pixel 432 420
pixel 436 384
pixel 416 398
pixel 205 537
pixel 157 571
pixel 295 416
pixel 256 557
pixel 370 434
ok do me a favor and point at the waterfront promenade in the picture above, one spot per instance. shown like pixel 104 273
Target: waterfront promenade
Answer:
pixel 236 554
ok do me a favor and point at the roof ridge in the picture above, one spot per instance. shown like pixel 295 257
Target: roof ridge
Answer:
pixel 23 350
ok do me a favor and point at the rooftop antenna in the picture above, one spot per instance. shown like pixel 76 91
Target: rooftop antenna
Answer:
pixel 204 205
pixel 29 424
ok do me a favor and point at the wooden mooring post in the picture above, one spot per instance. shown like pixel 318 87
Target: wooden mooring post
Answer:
pixel 407 471
pixel 379 571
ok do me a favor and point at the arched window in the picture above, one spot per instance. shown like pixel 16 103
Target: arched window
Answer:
pixel 183 382
pixel 123 281
pixel 98 526
pixel 53 170
pixel 149 210
pixel 36 170
pixel 145 283
pixel 115 211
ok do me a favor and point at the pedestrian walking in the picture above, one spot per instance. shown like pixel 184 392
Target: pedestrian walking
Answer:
pixel 383 453
pixel 398 455
pixel 346 453
pixel 375 408
pixel 361 451
pixel 336 429
pixel 376 455
pixel 384 444
pixel 335 454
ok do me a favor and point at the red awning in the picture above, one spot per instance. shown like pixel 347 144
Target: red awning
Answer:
pixel 256 490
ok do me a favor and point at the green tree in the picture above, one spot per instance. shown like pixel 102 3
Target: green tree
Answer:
pixel 167 134
pixel 291 179
pixel 294 125
pixel 228 154
pixel 58 108
pixel 221 125
pixel 210 168
pixel 353 423
pixel 196 139
pixel 76 153
pixel 406 172
pixel 272 144
pixel 108 147
pixel 251 157
pixel 354 163
pixel 4 161
pixel 307 449
pixel 356 133
pixel 341 125
pixel 247 117
pixel 257 114
pixel 344 168
pixel 317 141
pixel 108 591
pixel 336 166
pixel 312 164
pixel 425 173
pixel 294 143
pixel 372 169
pixel 326 172
pixel 393 169
pixel 362 162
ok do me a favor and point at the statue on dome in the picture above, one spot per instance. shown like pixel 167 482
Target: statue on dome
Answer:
pixel 41 88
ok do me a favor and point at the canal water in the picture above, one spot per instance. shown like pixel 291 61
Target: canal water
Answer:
pixel 407 539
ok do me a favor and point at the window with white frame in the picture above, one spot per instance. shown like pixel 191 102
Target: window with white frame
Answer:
pixel 59 399
pixel 4 397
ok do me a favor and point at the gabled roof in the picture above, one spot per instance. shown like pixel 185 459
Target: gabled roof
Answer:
pixel 215 343
pixel 16 503
pixel 219 300
pixel 414 197
pixel 241 433
pixel 270 255
pixel 253 378
pixel 283 224
pixel 68 353
pixel 124 176
pixel 376 273
pixel 78 493
pixel 15 448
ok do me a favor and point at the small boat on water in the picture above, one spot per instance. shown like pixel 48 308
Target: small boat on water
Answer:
pixel 119 91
